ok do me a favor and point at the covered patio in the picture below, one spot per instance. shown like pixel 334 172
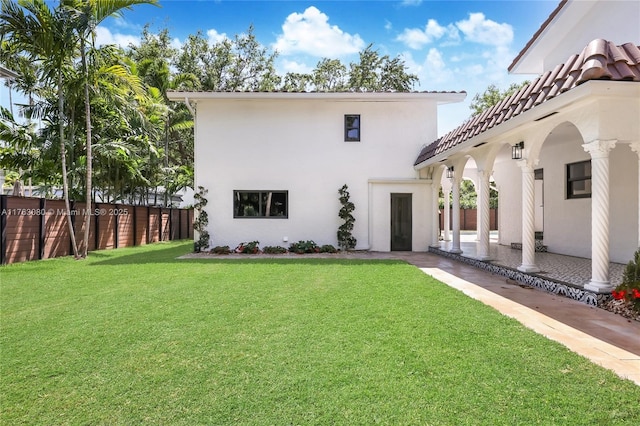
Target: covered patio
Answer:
pixel 559 274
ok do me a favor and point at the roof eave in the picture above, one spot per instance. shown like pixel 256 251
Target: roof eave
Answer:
pixel 440 97
pixel 502 132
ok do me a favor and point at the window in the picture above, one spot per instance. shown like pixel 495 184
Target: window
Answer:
pixel 261 204
pixel 579 180
pixel 352 128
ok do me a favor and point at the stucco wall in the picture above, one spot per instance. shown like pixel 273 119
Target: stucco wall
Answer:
pixel 298 146
pixel 567 222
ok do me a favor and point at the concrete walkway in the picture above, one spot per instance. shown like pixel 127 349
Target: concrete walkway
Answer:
pixel 605 338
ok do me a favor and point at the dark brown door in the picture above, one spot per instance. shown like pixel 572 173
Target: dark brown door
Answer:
pixel 401 222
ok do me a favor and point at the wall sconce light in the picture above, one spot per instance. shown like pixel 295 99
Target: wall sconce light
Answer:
pixel 516 151
pixel 450 173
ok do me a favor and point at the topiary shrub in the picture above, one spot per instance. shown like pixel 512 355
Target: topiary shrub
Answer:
pixel 346 240
pixel 629 289
pixel 202 220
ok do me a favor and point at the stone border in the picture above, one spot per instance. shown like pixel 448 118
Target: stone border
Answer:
pixel 549 285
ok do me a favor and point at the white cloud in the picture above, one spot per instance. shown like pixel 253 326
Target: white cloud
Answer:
pixel 310 33
pixel 215 36
pixel 416 38
pixel 294 66
pixel 478 29
pixel 105 36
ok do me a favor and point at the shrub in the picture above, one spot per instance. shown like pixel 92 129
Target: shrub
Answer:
pixel 221 250
pixel 202 220
pixel 274 250
pixel 301 247
pixel 629 289
pixel 345 239
pixel 328 248
pixel 248 248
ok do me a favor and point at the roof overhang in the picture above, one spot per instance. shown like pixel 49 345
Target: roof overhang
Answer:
pixel 7 73
pixel 511 131
pixel 439 97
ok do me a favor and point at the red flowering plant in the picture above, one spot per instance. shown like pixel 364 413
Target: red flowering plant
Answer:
pixel 629 289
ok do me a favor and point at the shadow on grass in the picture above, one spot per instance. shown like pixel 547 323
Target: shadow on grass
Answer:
pixel 170 254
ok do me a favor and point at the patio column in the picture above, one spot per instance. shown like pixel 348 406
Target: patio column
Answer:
pixel 528 218
pixel 599 151
pixel 483 215
pixel 455 187
pixel 435 223
pixel 635 147
pixel 446 189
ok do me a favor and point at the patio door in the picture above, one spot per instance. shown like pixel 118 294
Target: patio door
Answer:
pixel 401 222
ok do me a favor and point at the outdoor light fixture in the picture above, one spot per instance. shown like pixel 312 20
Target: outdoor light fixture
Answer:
pixel 450 173
pixel 516 151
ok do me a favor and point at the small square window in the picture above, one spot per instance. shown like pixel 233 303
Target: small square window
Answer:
pixel 352 128
pixel 579 180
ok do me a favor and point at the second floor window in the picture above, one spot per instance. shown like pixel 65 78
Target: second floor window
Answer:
pixel 352 128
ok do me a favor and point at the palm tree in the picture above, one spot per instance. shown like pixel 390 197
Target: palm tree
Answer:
pixel 46 36
pixel 88 14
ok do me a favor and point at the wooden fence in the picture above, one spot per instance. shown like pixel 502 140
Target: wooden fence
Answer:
pixel 36 228
pixel 469 219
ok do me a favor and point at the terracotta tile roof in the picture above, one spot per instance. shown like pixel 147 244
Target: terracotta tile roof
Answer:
pixel 599 60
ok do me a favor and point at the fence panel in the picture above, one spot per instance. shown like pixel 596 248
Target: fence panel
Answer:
pixel 23 229
pixel 35 228
pixel 469 219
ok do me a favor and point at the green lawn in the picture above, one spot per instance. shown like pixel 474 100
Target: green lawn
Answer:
pixel 134 336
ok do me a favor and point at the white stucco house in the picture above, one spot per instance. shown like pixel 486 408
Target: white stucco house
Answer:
pixel 564 152
pixel 576 130
pixel 273 164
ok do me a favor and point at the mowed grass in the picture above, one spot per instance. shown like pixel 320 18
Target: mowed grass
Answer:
pixel 135 336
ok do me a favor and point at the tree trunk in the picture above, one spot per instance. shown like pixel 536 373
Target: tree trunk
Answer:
pixel 87 111
pixel 63 160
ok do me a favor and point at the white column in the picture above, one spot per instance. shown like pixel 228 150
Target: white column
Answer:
pixel 455 187
pixel 528 218
pixel 599 151
pixel 435 213
pixel 635 147
pixel 446 190
pixel 484 224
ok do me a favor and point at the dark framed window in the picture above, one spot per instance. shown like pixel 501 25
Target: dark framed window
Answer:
pixel 261 204
pixel 352 128
pixel 579 180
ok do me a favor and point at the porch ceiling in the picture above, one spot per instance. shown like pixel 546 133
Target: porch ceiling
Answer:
pixel 599 60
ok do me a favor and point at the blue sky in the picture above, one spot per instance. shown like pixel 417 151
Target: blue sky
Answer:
pixel 450 45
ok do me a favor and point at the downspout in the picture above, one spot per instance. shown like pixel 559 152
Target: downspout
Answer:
pixel 189 107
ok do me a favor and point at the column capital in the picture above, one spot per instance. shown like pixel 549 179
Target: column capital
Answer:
pixel 527 165
pixel 635 147
pixel 484 174
pixel 599 148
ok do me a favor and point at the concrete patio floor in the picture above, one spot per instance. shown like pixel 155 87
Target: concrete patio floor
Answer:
pixel 568 269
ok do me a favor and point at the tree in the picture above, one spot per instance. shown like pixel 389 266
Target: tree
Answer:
pixel 375 73
pixel 88 14
pixel 46 37
pixel 329 76
pixel 492 96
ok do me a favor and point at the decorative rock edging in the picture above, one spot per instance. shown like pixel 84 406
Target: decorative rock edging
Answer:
pixel 547 284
